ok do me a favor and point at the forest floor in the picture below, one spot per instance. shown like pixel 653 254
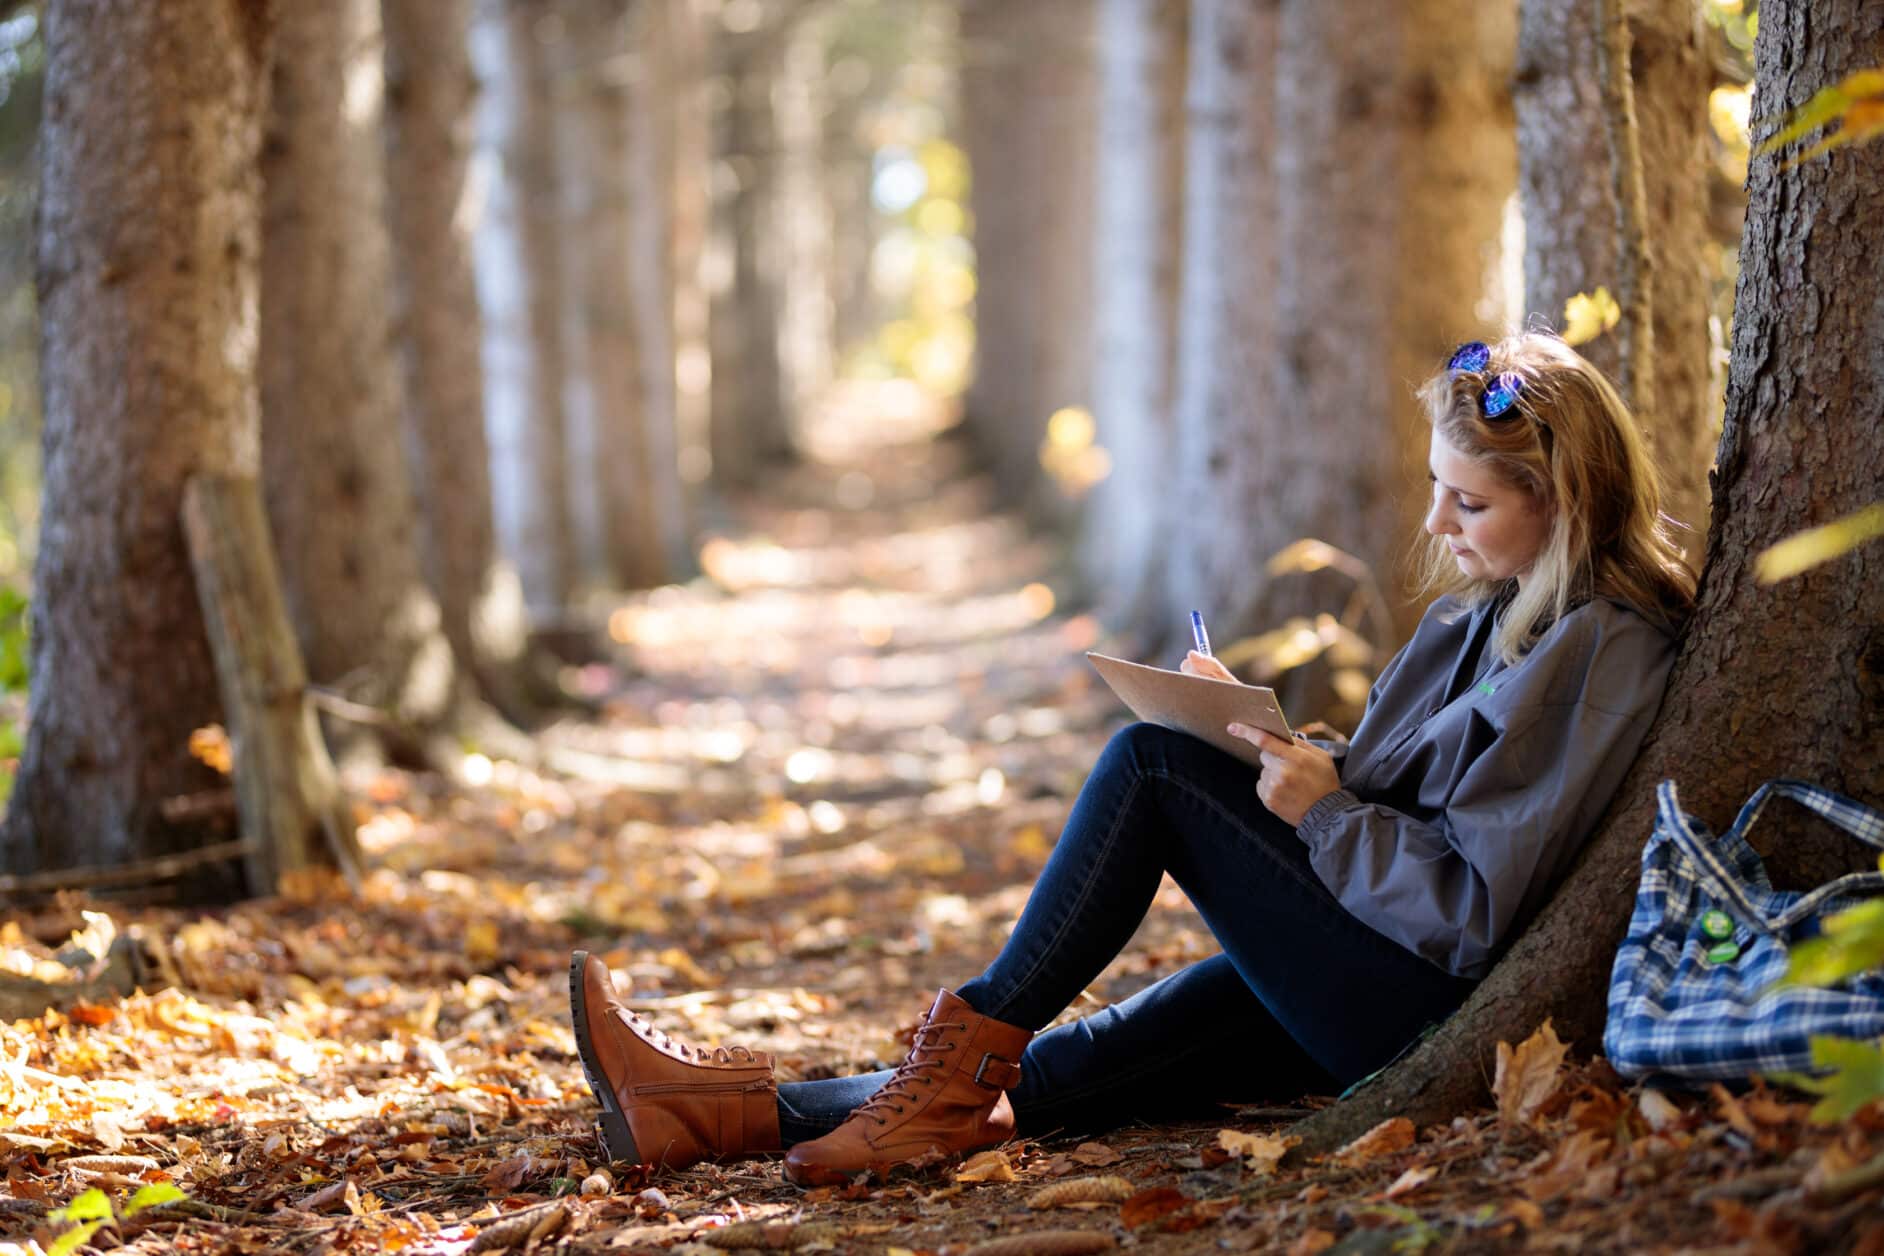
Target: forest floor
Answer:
pixel 821 784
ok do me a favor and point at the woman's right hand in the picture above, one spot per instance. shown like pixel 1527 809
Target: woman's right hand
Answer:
pixel 1196 664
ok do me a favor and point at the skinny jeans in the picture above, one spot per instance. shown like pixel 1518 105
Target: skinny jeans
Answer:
pixel 1303 999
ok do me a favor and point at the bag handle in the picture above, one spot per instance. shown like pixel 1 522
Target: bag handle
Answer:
pixel 1862 822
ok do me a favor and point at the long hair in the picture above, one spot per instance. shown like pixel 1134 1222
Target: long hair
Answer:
pixel 1572 445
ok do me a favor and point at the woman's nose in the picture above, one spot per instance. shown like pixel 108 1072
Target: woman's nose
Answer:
pixel 1438 522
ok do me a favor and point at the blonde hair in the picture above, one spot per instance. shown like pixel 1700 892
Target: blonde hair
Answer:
pixel 1572 445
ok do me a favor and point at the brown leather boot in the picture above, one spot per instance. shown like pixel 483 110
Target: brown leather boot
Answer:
pixel 949 1095
pixel 664 1102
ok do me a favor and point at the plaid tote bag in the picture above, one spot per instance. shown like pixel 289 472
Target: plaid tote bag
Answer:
pixel 1691 991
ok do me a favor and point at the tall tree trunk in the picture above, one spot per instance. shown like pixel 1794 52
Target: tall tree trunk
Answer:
pixel 667 535
pixel 680 90
pixel 1570 230
pixel 804 222
pixel 148 238
pixel 1394 158
pixel 1137 231
pixel 339 498
pixel 751 419
pixel 429 96
pixel 1784 680
pixel 1229 428
pixel 520 289
pixel 1028 94
pixel 601 261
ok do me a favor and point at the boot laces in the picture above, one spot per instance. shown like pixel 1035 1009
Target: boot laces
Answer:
pixel 927 1054
pixel 732 1054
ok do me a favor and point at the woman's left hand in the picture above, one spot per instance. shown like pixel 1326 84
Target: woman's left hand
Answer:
pixel 1296 775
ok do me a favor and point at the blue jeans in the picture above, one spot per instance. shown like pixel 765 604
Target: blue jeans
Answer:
pixel 1304 998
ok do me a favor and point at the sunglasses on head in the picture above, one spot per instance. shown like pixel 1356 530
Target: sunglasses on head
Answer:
pixel 1499 401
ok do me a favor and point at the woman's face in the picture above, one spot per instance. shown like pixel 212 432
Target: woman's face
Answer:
pixel 1493 529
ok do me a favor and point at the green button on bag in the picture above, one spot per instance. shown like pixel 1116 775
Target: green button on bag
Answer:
pixel 1723 952
pixel 1717 925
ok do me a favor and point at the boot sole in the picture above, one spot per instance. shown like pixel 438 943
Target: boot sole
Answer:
pixel 618 1144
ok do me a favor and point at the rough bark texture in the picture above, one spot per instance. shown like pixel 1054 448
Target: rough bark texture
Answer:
pixel 1394 159
pixel 1137 221
pixel 429 93
pixel 520 284
pixel 1570 209
pixel 1028 124
pixel 339 497
pixel 148 239
pixel 751 417
pixel 1784 680
pixel 1229 426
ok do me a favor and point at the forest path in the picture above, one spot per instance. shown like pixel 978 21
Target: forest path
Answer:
pixel 820 785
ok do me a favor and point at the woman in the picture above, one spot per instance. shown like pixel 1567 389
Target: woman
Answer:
pixel 1358 891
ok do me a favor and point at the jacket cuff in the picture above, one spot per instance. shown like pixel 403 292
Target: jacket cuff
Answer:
pixel 1326 809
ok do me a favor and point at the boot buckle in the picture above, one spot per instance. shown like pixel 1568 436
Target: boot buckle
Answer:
pixel 1006 1073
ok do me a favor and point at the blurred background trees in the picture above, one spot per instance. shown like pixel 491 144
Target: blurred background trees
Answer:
pixel 543 287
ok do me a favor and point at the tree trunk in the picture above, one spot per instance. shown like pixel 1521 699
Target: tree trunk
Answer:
pixel 751 420
pixel 804 220
pixel 429 94
pixel 680 89
pixel 1570 229
pixel 1783 680
pixel 520 289
pixel 1228 427
pixel 147 245
pixel 612 464
pixel 339 497
pixel 1028 96
pixel 1394 159
pixel 1138 215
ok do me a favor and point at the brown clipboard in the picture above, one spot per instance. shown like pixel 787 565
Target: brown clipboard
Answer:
pixel 1196 705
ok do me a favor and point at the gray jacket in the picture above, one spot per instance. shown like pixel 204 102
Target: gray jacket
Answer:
pixel 1470 785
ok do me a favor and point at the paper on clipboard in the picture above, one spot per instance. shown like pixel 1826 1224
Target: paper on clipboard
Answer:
pixel 1196 705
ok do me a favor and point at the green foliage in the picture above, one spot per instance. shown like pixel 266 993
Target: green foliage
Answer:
pixel 1853 942
pixel 93 1209
pixel 1856 1077
pixel 13 628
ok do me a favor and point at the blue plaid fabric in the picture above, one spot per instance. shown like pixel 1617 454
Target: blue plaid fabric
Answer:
pixel 1672 1010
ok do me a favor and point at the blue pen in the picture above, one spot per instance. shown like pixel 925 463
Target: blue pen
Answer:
pixel 1198 635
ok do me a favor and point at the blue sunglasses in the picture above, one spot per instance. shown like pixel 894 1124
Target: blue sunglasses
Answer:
pixel 1500 399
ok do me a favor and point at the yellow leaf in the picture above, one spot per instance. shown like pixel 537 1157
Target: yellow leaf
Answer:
pixel 210 744
pixel 1410 1181
pixel 1804 550
pixel 1588 315
pixel 1528 1076
pixel 1307 554
pixel 988 1166
pixel 1261 1152
pixel 481 942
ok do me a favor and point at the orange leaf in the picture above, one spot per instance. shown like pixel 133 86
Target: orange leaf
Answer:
pixel 1391 1135
pixel 987 1166
pixel 1094 1155
pixel 1149 1205
pixel 1410 1181
pixel 1528 1076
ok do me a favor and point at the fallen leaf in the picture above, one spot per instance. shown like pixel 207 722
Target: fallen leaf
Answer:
pixel 1391 1135
pixel 987 1166
pixel 1260 1152
pixel 1658 1110
pixel 1312 1242
pixel 1525 1213
pixel 1731 1111
pixel 1094 1155
pixel 1410 1181
pixel 1527 1076
pixel 506 1175
pixel 1149 1205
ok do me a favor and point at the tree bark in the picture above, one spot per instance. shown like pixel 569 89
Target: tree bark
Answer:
pixel 147 244
pixel 1138 233
pixel 804 220
pixel 1570 232
pixel 1028 96
pixel 520 289
pixel 429 93
pixel 1783 680
pixel 1394 159
pixel 331 404
pixel 680 89
pixel 751 418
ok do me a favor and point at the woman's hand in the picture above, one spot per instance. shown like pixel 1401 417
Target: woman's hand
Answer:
pixel 1196 664
pixel 1295 776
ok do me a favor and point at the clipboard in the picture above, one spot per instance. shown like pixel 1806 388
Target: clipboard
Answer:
pixel 1196 705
